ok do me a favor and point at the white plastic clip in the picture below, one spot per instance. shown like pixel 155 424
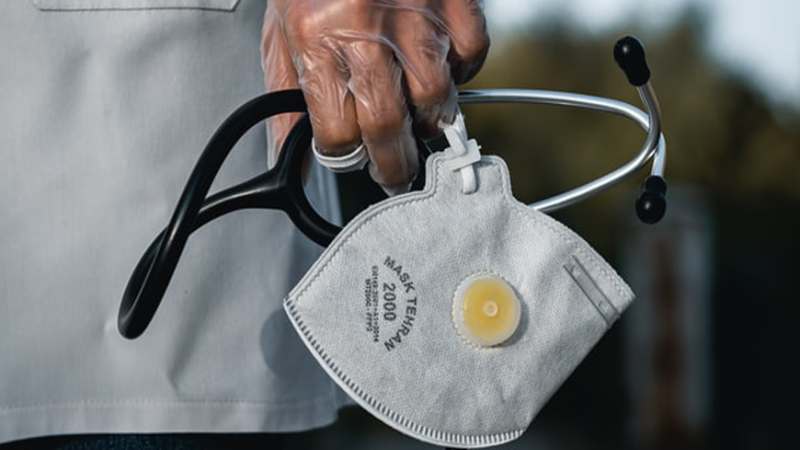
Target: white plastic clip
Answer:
pixel 466 153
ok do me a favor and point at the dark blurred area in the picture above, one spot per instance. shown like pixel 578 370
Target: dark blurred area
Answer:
pixel 709 354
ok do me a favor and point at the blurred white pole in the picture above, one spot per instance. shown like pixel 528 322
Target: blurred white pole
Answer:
pixel 668 329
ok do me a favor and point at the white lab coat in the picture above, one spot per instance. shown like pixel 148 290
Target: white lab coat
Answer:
pixel 105 106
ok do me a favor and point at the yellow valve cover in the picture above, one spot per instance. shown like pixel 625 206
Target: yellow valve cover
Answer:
pixel 486 310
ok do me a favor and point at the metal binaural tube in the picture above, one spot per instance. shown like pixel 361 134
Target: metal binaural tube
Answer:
pixel 654 146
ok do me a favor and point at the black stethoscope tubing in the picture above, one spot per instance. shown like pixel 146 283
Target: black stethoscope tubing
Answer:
pixel 279 188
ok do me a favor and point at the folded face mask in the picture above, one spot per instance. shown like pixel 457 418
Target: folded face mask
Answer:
pixel 453 314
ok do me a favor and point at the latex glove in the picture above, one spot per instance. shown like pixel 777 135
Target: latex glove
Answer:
pixel 364 65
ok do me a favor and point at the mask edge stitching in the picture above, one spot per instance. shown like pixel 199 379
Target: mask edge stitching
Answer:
pixel 386 414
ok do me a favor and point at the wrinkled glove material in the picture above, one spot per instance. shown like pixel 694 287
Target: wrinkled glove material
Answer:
pixel 374 74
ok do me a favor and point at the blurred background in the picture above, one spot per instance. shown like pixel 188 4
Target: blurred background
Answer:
pixel 709 354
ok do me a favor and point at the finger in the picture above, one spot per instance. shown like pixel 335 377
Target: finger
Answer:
pixel 422 47
pixel 279 74
pixel 382 115
pixel 465 24
pixel 331 106
pixel 322 75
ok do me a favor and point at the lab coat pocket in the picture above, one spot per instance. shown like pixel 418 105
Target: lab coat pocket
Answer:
pixel 89 5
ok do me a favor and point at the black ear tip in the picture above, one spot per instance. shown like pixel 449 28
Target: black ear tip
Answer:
pixel 628 47
pixel 652 204
pixel 650 208
pixel 629 55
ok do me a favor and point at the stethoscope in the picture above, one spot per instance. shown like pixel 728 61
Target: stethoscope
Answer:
pixel 282 186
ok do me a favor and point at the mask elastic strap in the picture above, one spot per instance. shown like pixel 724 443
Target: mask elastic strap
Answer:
pixel 466 153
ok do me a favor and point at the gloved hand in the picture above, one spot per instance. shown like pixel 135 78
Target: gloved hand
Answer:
pixel 371 71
